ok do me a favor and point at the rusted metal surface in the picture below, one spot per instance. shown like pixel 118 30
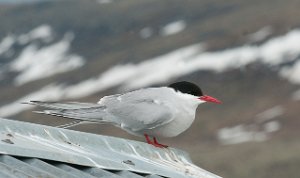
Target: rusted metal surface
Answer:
pixel 98 155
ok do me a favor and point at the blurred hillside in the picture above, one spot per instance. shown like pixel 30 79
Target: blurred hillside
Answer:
pixel 246 53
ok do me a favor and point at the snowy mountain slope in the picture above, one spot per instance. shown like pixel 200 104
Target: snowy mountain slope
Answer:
pixel 276 53
pixel 33 61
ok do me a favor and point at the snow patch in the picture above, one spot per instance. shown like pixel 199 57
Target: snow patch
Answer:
pixel 104 1
pixel 272 126
pixel 173 28
pixel 165 65
pixel 146 32
pixel 6 43
pixel 292 73
pixel 43 32
pixel 117 75
pixel 34 63
pixel 281 49
pixel 192 58
pixel 162 68
pixel 247 133
pixel 261 34
pixel 240 134
pixel 270 113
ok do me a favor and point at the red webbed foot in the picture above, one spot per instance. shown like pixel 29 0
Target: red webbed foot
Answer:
pixel 154 142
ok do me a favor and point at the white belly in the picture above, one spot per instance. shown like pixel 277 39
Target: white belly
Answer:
pixel 181 122
pixel 176 127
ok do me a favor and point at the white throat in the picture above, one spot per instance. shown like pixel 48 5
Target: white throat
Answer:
pixel 185 105
pixel 189 100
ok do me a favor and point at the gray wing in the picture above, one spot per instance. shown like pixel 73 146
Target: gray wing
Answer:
pixel 138 110
pixel 135 110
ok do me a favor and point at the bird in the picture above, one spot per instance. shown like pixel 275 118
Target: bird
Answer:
pixel 152 112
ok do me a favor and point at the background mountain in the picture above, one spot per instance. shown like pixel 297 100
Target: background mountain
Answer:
pixel 246 53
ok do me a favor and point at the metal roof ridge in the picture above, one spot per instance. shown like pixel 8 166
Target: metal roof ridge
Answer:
pixel 86 149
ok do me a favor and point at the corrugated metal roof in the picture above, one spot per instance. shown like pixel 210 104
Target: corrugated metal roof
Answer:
pixel 34 150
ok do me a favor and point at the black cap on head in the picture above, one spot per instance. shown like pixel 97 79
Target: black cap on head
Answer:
pixel 187 87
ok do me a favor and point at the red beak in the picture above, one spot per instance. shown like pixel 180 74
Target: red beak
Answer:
pixel 209 99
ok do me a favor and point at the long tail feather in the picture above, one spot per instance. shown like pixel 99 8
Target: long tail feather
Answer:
pixel 87 112
pixel 67 105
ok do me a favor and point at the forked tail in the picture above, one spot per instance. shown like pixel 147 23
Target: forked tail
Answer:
pixel 81 112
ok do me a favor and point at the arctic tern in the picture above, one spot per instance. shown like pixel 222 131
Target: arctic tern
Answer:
pixel 149 112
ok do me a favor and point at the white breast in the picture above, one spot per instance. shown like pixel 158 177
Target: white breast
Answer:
pixel 184 116
pixel 181 122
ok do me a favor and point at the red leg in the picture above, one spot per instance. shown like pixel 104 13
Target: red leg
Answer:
pixel 160 145
pixel 148 139
pixel 154 142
